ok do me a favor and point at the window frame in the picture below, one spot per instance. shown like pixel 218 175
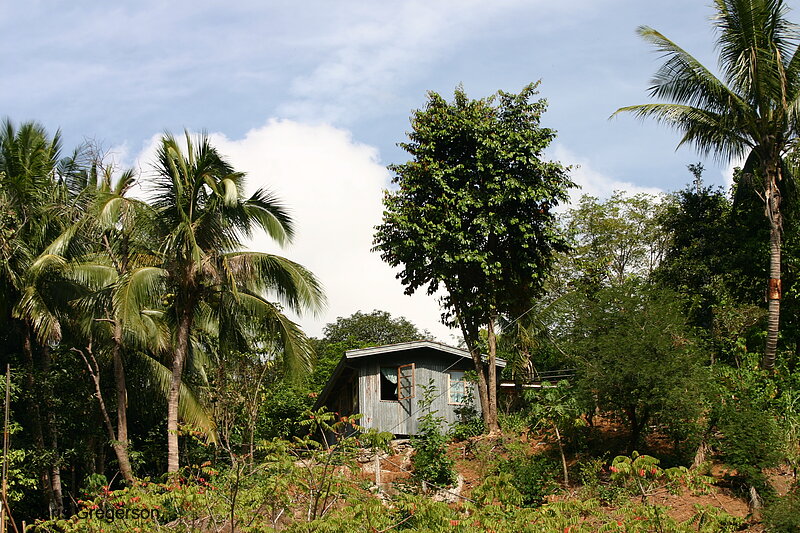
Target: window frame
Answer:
pixel 380 384
pixel 412 385
pixel 451 381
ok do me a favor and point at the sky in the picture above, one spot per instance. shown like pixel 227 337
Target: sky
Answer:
pixel 310 99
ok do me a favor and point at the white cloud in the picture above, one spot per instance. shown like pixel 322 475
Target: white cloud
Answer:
pixel 333 187
pixel 376 51
pixel 727 172
pixel 593 182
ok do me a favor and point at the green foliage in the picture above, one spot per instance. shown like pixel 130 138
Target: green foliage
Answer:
pixel 376 328
pixel 430 461
pixel 613 241
pixel 469 422
pixel 783 514
pixel 637 472
pixel 712 520
pixel 283 406
pixel 554 404
pixel 534 476
pixel 638 357
pixel 498 488
pixel 514 422
pixel 472 199
pixel 594 481
pixel 749 444
pixel 712 257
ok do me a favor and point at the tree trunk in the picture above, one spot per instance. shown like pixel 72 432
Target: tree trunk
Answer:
pixel 51 429
pixel 120 450
pixel 178 360
pixel 492 424
pixel 471 338
pixel 121 446
pixel 772 199
pixel 483 391
pixel 563 456
pixel 35 414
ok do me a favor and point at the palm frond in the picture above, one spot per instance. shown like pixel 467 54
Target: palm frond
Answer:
pixel 136 292
pixel 294 285
pixel 711 133
pixel 298 351
pixel 33 308
pixel 189 407
pixel 683 79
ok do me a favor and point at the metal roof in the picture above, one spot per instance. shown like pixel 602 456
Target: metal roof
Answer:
pixel 413 345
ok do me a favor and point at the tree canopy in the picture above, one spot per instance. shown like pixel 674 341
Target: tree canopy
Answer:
pixel 751 113
pixel 472 212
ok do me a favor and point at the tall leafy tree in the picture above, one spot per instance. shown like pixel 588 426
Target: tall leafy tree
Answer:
pixel 613 240
pixel 472 214
pixel 752 112
pixel 201 218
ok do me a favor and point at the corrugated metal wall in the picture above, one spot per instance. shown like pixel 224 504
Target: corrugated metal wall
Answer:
pixel 401 417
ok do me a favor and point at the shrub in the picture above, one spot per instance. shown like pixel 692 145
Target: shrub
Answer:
pixel 749 445
pixel 469 422
pixel 430 461
pixel 534 476
pixel 783 515
pixel 638 357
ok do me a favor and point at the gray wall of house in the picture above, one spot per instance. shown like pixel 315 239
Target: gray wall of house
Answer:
pixel 402 417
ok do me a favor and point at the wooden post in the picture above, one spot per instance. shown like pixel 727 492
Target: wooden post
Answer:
pixel 378 470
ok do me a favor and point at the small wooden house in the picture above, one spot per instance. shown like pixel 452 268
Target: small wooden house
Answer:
pixel 384 384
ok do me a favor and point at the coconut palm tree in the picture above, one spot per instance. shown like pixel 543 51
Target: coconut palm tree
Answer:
pixel 752 112
pixel 29 193
pixel 201 219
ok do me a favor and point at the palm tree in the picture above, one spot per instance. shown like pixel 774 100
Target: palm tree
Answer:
pixel 201 218
pixel 29 197
pixel 111 251
pixel 753 113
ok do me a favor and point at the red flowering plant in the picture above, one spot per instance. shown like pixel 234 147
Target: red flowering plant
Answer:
pixel 639 473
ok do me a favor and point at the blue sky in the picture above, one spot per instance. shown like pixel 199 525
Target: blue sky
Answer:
pixel 310 98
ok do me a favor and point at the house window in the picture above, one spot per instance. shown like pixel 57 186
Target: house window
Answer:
pixel 456 387
pixel 397 382
pixel 388 379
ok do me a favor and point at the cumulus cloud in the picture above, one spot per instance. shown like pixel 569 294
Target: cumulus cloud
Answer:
pixel 593 182
pixel 333 187
pixel 727 172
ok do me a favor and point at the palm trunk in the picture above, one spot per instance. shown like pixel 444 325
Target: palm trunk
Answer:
pixel 178 360
pixel 492 424
pixel 773 213
pixel 121 443
pixel 120 450
pixel 51 429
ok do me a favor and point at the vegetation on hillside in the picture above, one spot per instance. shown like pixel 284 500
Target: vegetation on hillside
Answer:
pixel 157 382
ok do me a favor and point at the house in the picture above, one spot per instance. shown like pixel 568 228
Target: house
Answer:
pixel 386 384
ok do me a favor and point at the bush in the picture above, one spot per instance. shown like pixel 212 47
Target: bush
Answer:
pixel 469 423
pixel 783 515
pixel 750 444
pixel 430 461
pixel 534 476
pixel 638 358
